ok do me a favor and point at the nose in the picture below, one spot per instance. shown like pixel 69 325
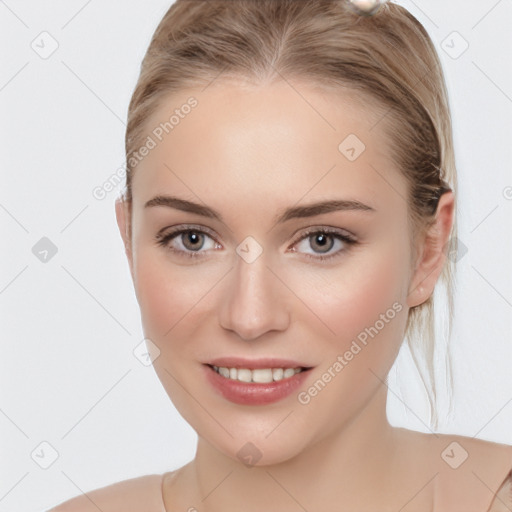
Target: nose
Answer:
pixel 255 302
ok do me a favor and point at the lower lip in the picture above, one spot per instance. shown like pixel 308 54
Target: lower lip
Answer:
pixel 252 393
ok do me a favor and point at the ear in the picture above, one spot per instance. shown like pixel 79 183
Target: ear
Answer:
pixel 123 222
pixel 432 252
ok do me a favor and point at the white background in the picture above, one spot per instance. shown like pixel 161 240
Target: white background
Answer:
pixel 68 326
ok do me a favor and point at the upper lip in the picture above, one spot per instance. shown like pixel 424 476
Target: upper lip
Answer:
pixel 266 362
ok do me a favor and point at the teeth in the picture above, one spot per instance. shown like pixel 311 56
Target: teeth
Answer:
pixel 277 373
pixel 260 375
pixel 243 374
pixel 289 372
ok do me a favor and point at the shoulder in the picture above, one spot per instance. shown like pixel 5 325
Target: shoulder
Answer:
pixel 466 473
pixel 133 495
pixel 472 472
pixel 455 451
pixel 502 501
pixel 471 449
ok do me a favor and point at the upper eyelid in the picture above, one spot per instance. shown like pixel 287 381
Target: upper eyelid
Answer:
pixel 176 230
pixel 304 232
pixel 204 229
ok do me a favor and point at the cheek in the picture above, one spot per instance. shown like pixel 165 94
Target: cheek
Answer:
pixel 352 296
pixel 171 297
pixel 363 304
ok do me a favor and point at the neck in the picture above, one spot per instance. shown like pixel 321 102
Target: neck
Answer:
pixel 339 468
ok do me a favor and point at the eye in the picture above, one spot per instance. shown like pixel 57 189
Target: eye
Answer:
pixel 187 241
pixel 194 242
pixel 322 242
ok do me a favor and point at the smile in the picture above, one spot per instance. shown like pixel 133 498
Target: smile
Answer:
pixel 259 375
pixel 257 386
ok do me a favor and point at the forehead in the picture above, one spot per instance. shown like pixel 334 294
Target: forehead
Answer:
pixel 266 141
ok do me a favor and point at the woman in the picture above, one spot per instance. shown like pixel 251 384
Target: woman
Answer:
pixel 289 209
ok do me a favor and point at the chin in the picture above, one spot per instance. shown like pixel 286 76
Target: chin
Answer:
pixel 254 451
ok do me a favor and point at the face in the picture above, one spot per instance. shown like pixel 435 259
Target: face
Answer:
pixel 255 276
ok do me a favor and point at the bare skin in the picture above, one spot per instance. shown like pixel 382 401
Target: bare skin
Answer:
pixel 422 481
pixel 476 486
pixel 248 153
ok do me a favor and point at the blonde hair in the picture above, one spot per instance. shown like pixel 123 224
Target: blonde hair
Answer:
pixel 387 58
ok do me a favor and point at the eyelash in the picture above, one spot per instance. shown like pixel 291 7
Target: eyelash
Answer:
pixel 164 239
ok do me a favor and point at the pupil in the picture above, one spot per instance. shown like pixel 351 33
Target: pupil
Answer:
pixel 191 240
pixel 322 241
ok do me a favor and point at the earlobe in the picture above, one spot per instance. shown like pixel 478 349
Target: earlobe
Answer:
pixel 434 252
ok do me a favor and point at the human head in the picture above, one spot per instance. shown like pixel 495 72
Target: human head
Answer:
pixel 387 59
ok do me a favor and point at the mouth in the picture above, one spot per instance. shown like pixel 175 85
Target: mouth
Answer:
pixel 258 382
pixel 258 375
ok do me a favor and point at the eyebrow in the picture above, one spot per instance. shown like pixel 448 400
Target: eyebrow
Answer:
pixel 293 212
